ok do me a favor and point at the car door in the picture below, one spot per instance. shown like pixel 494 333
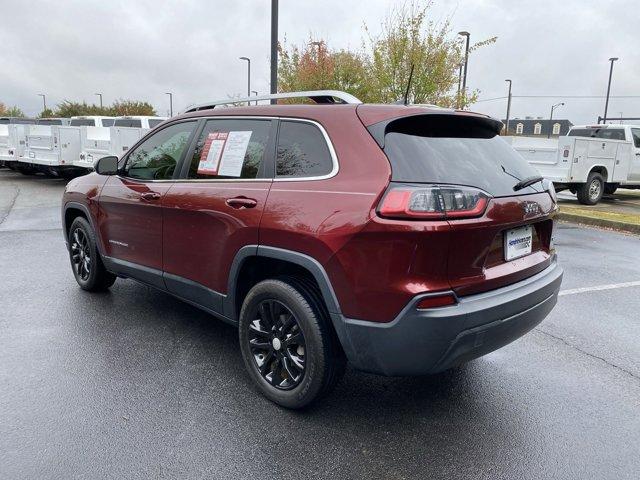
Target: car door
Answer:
pixel 130 220
pixel 216 207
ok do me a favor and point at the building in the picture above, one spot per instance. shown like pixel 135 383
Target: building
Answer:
pixel 532 127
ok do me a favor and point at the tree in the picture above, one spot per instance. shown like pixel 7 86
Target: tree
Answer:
pixel 119 108
pixel 10 111
pixel 46 113
pixel 379 71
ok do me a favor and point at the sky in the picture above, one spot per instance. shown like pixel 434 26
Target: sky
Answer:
pixel 140 49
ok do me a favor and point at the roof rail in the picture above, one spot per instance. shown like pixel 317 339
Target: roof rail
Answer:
pixel 318 96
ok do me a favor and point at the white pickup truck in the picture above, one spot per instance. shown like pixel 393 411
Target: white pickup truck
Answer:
pixel 590 161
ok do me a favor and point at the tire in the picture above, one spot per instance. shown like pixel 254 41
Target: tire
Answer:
pixel 296 358
pixel 610 188
pixel 86 263
pixel 591 192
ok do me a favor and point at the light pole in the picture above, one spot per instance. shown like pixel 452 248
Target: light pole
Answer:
pixel 100 95
pixel 606 103
pixel 319 47
pixel 170 103
pixel 460 65
pixel 248 60
pixel 508 107
pixel 553 107
pixel 274 48
pixel 466 59
pixel 256 94
pixel 44 101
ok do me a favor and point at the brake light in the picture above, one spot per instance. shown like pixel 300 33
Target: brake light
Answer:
pixel 433 202
pixel 437 301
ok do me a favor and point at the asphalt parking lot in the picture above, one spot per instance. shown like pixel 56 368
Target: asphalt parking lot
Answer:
pixel 136 384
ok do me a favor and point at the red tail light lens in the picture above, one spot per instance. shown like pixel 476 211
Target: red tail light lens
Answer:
pixel 433 202
pixel 437 301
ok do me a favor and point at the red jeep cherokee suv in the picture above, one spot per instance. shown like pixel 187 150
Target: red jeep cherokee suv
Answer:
pixel 403 239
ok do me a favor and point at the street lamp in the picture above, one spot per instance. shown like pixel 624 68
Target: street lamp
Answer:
pixel 248 60
pixel 606 104
pixel 100 95
pixel 170 103
pixel 466 59
pixel 553 107
pixel 44 101
pixel 460 65
pixel 274 49
pixel 508 107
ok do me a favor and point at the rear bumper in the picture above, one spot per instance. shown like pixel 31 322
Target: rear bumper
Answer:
pixel 419 342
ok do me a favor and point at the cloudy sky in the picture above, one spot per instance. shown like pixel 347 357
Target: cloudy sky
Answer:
pixel 142 49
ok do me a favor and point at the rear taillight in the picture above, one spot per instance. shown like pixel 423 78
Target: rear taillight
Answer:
pixel 433 202
pixel 437 300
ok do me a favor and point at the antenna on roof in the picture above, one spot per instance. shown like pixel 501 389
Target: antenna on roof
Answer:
pixel 406 92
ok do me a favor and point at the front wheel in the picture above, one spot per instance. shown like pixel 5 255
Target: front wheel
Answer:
pixel 86 263
pixel 287 343
pixel 591 192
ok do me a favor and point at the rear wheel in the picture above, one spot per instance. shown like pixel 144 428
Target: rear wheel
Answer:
pixel 287 343
pixel 85 260
pixel 591 192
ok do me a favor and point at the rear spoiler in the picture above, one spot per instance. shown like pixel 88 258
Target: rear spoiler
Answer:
pixel 437 124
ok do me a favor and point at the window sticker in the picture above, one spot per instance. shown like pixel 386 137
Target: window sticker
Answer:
pixel 233 153
pixel 211 153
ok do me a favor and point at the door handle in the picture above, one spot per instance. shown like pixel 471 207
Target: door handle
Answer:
pixel 150 196
pixel 241 202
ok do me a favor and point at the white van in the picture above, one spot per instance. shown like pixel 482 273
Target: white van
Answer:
pixel 138 121
pixel 590 161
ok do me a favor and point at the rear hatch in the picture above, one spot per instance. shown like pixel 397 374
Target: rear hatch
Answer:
pixel 455 167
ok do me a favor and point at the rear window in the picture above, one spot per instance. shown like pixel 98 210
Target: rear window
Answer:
pixel 23 121
pixel 82 122
pixel 455 150
pixel 154 123
pixel 107 122
pixel 606 133
pixel 50 122
pixel 128 122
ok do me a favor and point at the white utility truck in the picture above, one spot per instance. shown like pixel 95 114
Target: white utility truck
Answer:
pixel 13 141
pixel 92 121
pixel 590 161
pixel 98 142
pixel 52 149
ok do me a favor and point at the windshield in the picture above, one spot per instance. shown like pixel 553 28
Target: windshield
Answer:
pixel 456 151
pixel 608 133
pixel 83 122
pixel 128 122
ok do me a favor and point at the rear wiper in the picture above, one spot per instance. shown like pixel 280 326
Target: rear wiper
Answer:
pixel 527 182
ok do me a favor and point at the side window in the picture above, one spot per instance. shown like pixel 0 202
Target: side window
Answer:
pixel 302 151
pixel 231 148
pixel 156 158
pixel 635 132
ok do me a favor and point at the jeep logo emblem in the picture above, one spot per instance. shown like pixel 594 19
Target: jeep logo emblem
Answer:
pixel 531 209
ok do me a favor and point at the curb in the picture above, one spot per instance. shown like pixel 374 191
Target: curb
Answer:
pixel 599 222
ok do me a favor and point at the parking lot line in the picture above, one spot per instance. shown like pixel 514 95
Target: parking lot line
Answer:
pixel 595 288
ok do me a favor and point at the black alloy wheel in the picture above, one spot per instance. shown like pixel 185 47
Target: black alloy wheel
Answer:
pixel 81 254
pixel 277 345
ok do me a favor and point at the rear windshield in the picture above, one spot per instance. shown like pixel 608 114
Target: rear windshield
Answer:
pixel 128 122
pixel 83 122
pixel 455 150
pixel 154 123
pixel 50 122
pixel 608 133
pixel 107 122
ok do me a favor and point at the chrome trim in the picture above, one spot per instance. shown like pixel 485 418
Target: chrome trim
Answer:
pixel 319 96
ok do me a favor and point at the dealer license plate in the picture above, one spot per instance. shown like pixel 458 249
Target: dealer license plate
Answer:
pixel 517 242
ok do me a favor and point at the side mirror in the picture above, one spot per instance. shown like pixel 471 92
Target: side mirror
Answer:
pixel 107 165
